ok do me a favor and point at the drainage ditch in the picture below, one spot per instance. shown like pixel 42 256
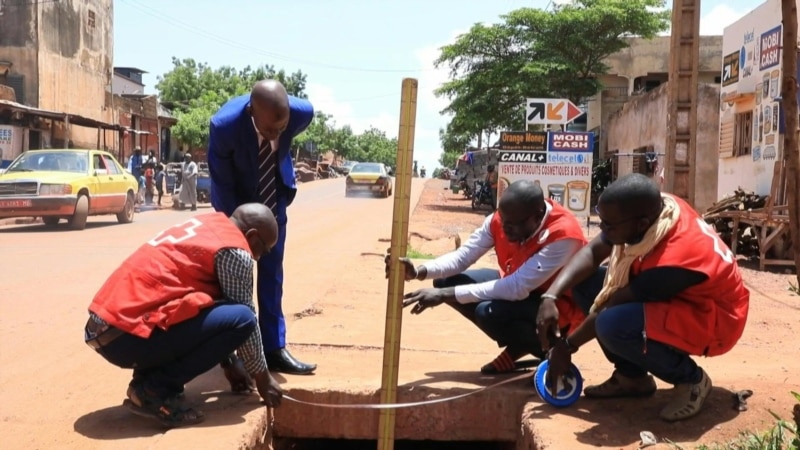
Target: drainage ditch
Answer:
pixel 345 444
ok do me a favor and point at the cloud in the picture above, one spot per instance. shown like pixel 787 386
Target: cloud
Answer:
pixel 344 113
pixel 720 16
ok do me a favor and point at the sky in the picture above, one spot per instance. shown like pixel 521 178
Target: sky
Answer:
pixel 355 52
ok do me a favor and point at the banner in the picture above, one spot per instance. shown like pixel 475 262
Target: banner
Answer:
pixel 10 144
pixel 563 169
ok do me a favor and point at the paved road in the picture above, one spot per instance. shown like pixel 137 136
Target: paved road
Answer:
pixel 58 394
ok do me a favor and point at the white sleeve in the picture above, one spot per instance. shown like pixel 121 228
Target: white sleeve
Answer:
pixel 457 261
pixel 518 286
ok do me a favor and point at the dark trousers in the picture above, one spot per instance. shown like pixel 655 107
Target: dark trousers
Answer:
pixel 269 282
pixel 167 360
pixel 619 332
pixel 509 323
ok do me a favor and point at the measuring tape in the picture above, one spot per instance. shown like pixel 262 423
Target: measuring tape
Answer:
pixel 408 404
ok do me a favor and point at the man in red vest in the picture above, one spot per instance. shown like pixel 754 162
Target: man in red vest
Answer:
pixel 671 289
pixel 533 239
pixel 182 303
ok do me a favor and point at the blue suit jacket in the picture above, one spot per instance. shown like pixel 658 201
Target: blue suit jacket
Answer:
pixel 233 153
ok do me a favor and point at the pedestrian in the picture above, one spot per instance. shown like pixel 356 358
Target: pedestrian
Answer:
pixel 189 172
pixel 671 289
pixel 160 178
pixel 183 303
pixel 149 180
pixel 250 160
pixel 533 239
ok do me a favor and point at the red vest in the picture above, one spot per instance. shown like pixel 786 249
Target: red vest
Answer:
pixel 708 318
pixel 170 278
pixel 560 224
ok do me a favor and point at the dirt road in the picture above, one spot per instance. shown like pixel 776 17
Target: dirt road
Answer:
pixel 57 393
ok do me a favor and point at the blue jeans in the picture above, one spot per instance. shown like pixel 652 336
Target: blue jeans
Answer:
pixel 510 323
pixel 167 360
pixel 620 332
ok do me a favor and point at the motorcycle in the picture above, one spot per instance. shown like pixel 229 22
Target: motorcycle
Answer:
pixel 465 187
pixel 482 195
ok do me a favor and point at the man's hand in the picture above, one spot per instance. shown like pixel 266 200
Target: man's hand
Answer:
pixel 547 322
pixel 408 267
pixel 268 389
pixel 237 375
pixel 426 298
pixel 560 358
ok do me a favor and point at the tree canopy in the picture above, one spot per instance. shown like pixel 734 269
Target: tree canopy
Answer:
pixel 555 53
pixel 195 91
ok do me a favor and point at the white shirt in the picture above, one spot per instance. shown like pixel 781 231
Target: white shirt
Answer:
pixel 261 138
pixel 517 286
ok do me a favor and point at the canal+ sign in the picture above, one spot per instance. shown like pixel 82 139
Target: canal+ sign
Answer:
pixel 566 141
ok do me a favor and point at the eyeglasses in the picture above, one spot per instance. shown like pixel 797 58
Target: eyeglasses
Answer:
pixel 607 224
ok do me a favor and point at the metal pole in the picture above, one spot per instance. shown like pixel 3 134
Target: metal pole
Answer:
pixel 394 304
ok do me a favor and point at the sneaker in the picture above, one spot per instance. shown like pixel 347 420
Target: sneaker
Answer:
pixel 621 386
pixel 687 399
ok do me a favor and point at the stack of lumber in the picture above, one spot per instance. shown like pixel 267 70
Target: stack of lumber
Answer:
pixel 720 216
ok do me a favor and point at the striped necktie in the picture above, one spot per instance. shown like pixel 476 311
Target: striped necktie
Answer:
pixel 267 165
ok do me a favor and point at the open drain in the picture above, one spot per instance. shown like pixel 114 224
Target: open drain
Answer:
pixel 345 444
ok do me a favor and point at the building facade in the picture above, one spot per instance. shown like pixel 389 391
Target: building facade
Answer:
pixel 58 57
pixel 751 116
pixel 638 69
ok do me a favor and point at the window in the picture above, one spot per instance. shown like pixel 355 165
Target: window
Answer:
pixel 98 163
pixel 90 21
pixel 112 168
pixel 743 134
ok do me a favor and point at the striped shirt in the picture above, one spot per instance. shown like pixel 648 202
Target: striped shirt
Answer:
pixel 234 268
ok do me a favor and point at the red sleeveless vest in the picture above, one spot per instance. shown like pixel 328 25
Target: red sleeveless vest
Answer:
pixel 170 278
pixel 560 224
pixel 707 318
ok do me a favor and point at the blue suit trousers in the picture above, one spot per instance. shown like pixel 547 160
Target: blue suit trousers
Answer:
pixel 269 284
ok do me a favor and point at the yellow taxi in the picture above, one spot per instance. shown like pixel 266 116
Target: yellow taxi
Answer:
pixel 369 178
pixel 67 184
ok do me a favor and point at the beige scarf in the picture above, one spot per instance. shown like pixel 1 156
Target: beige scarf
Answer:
pixel 623 256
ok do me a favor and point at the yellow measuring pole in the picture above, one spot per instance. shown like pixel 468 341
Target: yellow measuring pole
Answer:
pixel 394 303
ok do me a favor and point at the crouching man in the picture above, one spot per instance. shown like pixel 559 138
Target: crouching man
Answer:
pixel 181 304
pixel 671 289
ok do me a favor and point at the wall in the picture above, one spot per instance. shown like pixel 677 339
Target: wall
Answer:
pixel 748 64
pixel 18 45
pixel 122 85
pixel 642 122
pixel 75 61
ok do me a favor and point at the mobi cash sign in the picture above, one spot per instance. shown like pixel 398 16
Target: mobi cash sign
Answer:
pixel 571 141
pixel 770 48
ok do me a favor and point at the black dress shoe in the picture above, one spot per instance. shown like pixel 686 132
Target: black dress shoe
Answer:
pixel 283 361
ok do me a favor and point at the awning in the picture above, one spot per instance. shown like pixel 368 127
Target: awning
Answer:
pixel 74 119
pixel 738 97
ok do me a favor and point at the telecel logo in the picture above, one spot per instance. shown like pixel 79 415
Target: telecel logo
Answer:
pixel 566 158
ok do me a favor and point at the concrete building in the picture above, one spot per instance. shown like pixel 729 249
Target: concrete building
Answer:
pixel 637 135
pixel 639 69
pixel 57 56
pixel 751 115
pixel 127 81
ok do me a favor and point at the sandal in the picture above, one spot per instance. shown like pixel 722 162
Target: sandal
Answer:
pixel 504 363
pixel 621 386
pixel 688 401
pixel 167 412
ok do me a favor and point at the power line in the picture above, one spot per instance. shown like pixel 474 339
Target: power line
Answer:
pixel 241 46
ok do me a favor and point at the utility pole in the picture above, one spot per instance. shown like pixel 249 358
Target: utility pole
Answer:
pixel 681 154
pixel 791 153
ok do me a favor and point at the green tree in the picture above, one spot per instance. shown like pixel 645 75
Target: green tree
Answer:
pixel 453 145
pixel 195 90
pixel 373 146
pixel 557 53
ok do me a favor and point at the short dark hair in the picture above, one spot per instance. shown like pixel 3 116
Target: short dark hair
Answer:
pixel 633 191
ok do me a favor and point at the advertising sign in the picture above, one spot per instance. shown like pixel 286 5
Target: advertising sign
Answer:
pixel 550 111
pixel 770 48
pixel 10 144
pixel 563 169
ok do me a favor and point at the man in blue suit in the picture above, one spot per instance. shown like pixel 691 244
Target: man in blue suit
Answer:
pixel 249 157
